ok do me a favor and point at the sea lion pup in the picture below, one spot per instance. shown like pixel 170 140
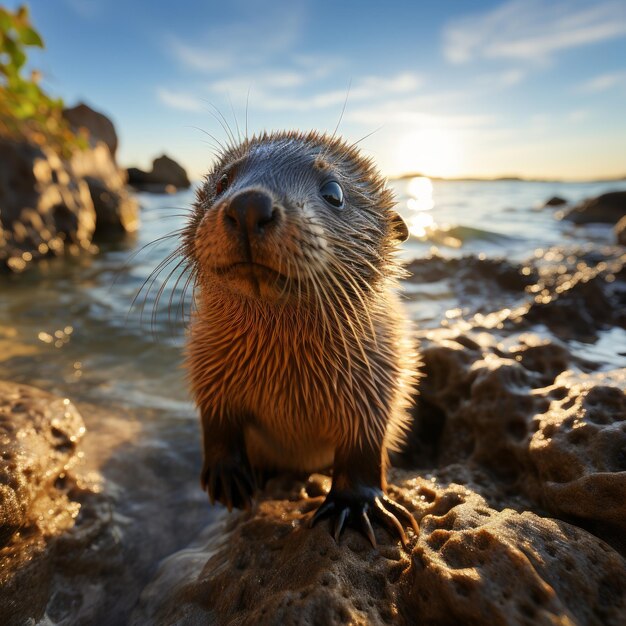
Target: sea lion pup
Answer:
pixel 299 354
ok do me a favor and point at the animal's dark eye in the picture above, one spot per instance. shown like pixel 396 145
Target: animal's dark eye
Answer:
pixel 222 185
pixel 332 193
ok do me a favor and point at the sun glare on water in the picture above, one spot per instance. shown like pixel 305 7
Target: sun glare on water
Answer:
pixel 419 205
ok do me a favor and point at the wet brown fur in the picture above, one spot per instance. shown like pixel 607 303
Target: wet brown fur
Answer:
pixel 323 357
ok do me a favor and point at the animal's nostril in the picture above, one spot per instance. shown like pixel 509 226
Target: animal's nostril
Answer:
pixel 265 220
pixel 231 219
pixel 251 212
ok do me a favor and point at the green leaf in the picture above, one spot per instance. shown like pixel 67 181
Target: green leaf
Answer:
pixel 29 36
pixel 6 21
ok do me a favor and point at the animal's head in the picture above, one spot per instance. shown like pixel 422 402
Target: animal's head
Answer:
pixel 288 216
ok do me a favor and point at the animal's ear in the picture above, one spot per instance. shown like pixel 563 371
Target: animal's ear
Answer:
pixel 398 227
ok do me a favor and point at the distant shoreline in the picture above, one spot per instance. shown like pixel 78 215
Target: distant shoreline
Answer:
pixel 521 179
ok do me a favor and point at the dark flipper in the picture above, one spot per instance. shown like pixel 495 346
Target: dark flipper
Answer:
pixel 357 497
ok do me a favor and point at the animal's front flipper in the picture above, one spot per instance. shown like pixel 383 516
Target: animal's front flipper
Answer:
pixel 357 496
pixel 226 473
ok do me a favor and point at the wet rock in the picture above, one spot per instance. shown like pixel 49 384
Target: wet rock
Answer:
pixel 555 201
pixel 608 208
pixel 38 438
pixel 60 546
pixel 166 175
pixel 470 564
pixel 620 231
pixel 98 126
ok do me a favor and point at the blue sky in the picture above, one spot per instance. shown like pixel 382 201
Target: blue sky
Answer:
pixel 528 87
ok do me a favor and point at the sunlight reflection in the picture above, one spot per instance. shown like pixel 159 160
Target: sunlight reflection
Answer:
pixel 421 201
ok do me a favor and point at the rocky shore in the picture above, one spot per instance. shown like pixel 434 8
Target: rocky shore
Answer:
pixel 53 204
pixel 515 470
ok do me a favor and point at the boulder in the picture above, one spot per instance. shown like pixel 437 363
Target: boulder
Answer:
pixel 45 208
pixel 521 510
pixel 166 175
pixel 117 212
pixel 98 125
pixel 608 208
pixel 555 201
pixel 51 205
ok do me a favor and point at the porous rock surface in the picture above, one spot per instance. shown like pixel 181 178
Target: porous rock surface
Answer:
pixel 470 564
pixel 60 555
pixel 38 438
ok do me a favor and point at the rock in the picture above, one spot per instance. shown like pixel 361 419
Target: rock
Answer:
pixel 558 438
pixel 608 208
pixel 555 201
pixel 471 564
pixel 45 208
pixel 620 231
pixel 98 125
pixel 51 205
pixel 578 449
pixel 61 556
pixel 38 438
pixel 117 212
pixel 166 175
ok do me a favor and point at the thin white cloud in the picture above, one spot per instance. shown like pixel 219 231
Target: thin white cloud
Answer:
pixel 276 93
pixel 499 80
pixel 533 30
pixel 85 8
pixel 181 101
pixel 603 82
pixel 273 28
pixel 406 114
pixel 579 115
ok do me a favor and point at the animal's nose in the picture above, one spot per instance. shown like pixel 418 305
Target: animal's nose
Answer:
pixel 250 212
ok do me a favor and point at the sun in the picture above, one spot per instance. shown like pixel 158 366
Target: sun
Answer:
pixel 429 151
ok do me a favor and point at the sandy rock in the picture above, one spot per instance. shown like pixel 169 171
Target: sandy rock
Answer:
pixel 98 125
pixel 607 208
pixel 165 175
pixel 471 564
pixel 579 448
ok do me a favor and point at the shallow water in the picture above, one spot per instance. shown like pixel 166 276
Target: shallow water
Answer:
pixel 69 327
